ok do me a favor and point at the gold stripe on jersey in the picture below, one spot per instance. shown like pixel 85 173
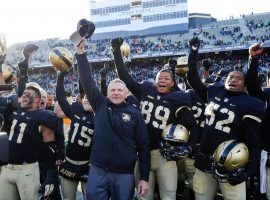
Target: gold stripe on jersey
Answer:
pixel 180 109
pixel 253 117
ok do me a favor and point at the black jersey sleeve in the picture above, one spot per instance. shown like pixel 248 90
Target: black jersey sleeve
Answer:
pixel 61 97
pixel 60 140
pixel 143 147
pixel 252 80
pixel 123 74
pixel 193 76
pixel 254 111
pixel 46 118
pixel 103 85
pixel 254 143
pixel 90 88
pixel 23 78
pixel 186 118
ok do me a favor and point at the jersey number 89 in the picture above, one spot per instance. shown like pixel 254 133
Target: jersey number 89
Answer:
pixel 161 114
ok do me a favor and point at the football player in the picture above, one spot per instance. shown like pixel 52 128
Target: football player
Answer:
pixel 20 177
pixel 75 167
pixel 160 106
pixel 254 89
pixel 230 114
pixel 28 52
pixel 186 166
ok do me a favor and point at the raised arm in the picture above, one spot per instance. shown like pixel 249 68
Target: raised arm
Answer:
pixel 252 80
pixel 122 71
pixel 23 76
pixel 193 75
pixel 60 95
pixel 28 52
pixel 90 88
pixel 103 77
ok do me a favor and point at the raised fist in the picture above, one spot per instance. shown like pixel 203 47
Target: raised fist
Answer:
pixel 117 42
pixel 194 44
pixel 29 50
pixel 255 50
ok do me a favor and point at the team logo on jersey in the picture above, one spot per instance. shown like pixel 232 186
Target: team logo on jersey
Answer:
pixel 126 117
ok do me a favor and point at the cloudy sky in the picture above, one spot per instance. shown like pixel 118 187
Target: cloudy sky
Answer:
pixel 25 20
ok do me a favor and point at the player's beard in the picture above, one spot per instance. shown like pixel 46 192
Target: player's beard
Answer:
pixel 30 103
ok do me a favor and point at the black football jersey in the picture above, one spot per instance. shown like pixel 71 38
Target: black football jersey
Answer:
pixel 159 110
pixel 225 114
pixel 198 106
pixel 80 133
pixel 265 126
pixel 25 138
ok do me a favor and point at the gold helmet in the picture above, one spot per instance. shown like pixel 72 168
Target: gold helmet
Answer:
pixel 172 144
pixel 182 66
pixel 231 154
pixel 176 133
pixel 9 74
pixel 125 49
pixel 61 59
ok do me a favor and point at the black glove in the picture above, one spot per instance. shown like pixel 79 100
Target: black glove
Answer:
pixel 238 176
pixel 117 42
pixel 6 101
pixel 206 64
pixel 29 49
pixel 86 28
pixel 194 44
pixel 48 186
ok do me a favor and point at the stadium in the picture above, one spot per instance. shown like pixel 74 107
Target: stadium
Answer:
pixel 157 31
pixel 153 45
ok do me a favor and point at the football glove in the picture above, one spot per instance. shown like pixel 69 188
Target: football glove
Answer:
pixel 194 44
pixel 238 176
pixel 117 42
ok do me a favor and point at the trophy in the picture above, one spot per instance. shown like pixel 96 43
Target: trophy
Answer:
pixel 3 46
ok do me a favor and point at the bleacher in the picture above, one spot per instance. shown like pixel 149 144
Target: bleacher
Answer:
pixel 245 30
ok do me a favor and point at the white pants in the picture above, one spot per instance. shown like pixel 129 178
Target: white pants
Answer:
pixel 190 170
pixel 205 187
pixel 69 188
pixel 165 172
pixel 19 182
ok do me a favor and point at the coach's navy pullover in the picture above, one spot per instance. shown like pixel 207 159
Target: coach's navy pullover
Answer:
pixel 120 131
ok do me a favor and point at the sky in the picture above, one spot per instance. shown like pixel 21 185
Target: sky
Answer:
pixel 30 20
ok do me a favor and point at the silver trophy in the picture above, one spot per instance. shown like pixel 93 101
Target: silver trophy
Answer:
pixel 3 45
